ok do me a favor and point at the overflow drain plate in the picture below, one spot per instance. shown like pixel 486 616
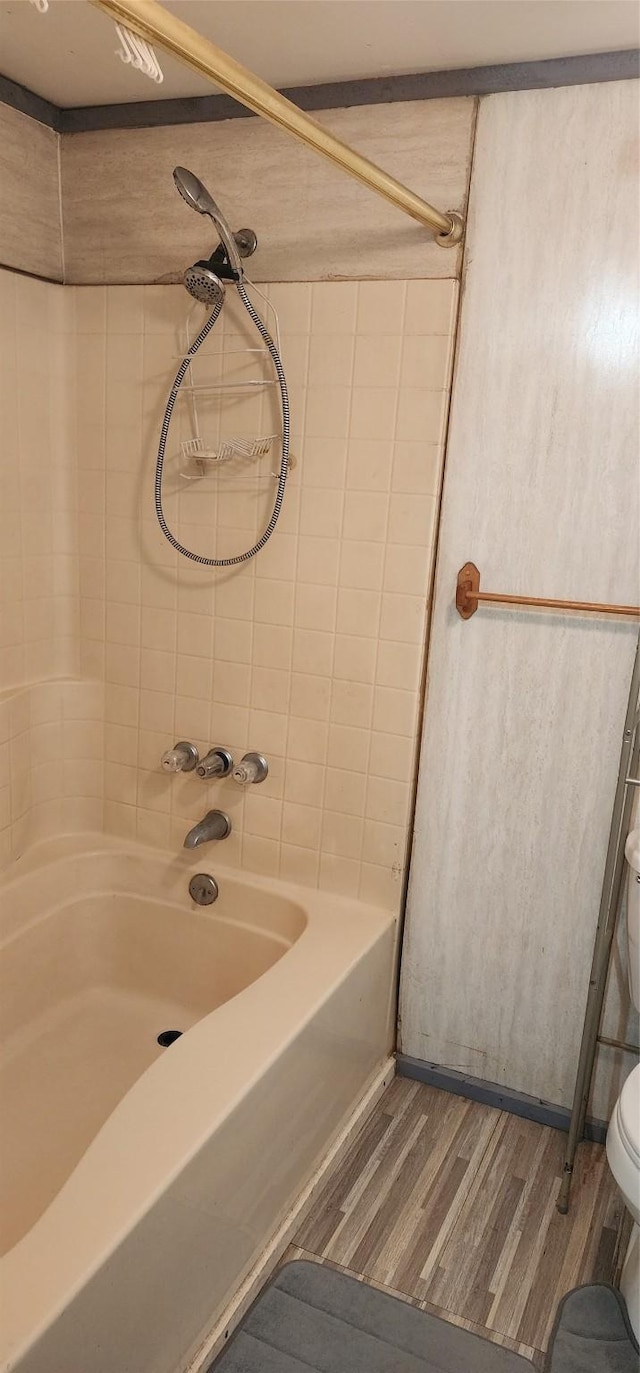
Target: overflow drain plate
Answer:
pixel 203 889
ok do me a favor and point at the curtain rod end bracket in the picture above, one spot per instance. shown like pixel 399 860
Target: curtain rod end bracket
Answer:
pixel 454 235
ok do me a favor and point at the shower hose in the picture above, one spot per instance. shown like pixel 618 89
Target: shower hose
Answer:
pixel 284 462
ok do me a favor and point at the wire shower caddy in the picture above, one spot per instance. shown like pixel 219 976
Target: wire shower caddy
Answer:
pixel 212 455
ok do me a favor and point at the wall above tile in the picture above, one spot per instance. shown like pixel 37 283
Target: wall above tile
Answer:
pixel 125 223
pixel 30 225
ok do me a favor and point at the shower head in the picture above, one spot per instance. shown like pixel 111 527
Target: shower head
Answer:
pixel 197 196
pixel 192 190
pixel 203 284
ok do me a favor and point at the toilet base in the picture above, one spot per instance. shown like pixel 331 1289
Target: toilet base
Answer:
pixel 630 1281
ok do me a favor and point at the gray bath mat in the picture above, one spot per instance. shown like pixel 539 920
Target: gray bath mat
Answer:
pixel 311 1319
pixel 592 1333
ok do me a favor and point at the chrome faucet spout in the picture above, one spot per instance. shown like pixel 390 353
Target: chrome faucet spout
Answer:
pixel 214 825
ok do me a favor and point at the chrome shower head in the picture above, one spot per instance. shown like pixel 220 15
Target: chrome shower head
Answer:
pixel 197 196
pixel 203 284
pixel 192 190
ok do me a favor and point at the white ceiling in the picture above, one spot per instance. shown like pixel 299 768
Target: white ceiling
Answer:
pixel 68 54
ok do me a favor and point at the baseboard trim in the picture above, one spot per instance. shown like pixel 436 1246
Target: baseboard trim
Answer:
pixel 492 1094
pixel 268 1260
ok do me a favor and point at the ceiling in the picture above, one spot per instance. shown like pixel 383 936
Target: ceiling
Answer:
pixel 68 54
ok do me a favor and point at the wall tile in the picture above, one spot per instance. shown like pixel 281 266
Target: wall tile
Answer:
pixel 307 740
pixel 354 658
pixel 301 825
pixel 345 791
pixel 358 611
pixel 349 747
pixel 369 464
pixel 321 512
pixel 362 565
pixel 312 652
pixel 351 703
pixel 304 783
pixel 315 607
pixel 331 359
pixel 373 412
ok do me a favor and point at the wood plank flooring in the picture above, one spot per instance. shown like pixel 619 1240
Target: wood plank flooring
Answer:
pixel 451 1205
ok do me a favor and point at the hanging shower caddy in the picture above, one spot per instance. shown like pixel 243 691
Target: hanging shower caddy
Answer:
pixel 207 455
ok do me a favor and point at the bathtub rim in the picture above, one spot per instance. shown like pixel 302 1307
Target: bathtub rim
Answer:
pixel 330 945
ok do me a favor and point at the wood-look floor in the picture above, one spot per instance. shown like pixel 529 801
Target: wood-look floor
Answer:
pixel 451 1205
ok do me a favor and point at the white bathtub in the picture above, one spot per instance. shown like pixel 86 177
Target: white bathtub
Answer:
pixel 144 1182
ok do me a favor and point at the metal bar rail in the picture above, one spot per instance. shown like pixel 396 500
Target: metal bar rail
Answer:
pixel 469 596
pixel 610 902
pixel 156 25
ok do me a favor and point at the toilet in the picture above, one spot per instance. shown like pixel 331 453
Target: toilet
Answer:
pixel 623 1135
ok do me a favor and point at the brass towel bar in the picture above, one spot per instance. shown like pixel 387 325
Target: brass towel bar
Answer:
pixel 469 596
pixel 156 25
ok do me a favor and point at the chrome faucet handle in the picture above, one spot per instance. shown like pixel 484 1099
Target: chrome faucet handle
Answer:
pixel 183 757
pixel 218 762
pixel 253 767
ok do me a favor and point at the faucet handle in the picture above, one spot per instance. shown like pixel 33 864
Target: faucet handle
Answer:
pixel 218 762
pixel 183 757
pixel 253 767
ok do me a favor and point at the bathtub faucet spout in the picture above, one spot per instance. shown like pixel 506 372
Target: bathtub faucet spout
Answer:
pixel 215 825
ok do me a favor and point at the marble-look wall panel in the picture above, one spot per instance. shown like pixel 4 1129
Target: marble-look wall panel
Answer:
pixel 124 221
pixel 30 221
pixel 524 710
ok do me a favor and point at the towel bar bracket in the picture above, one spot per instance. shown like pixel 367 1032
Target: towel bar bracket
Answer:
pixel 469 596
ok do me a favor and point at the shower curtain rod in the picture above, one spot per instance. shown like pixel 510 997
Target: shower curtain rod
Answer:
pixel 156 25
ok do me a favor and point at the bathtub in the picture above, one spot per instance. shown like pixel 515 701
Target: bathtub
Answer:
pixel 141 1183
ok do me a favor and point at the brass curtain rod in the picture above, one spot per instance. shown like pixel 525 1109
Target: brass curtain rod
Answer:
pixel 469 596
pixel 156 25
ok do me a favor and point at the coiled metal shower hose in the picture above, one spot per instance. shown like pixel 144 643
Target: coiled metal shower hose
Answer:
pixel 286 426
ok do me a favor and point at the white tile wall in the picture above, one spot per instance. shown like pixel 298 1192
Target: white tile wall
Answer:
pixel 38 582
pixel 312 651
pixel 51 774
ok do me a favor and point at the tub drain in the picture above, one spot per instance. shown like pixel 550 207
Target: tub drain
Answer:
pixel 167 1037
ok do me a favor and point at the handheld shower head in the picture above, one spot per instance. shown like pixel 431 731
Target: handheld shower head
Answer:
pixel 193 192
pixel 203 284
pixel 197 196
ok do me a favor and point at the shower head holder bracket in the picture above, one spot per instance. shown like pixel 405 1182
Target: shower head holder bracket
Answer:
pixel 219 263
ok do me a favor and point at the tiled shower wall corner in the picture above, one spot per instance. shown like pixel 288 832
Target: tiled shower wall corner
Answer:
pixel 312 652
pixel 39 578
pixel 50 723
